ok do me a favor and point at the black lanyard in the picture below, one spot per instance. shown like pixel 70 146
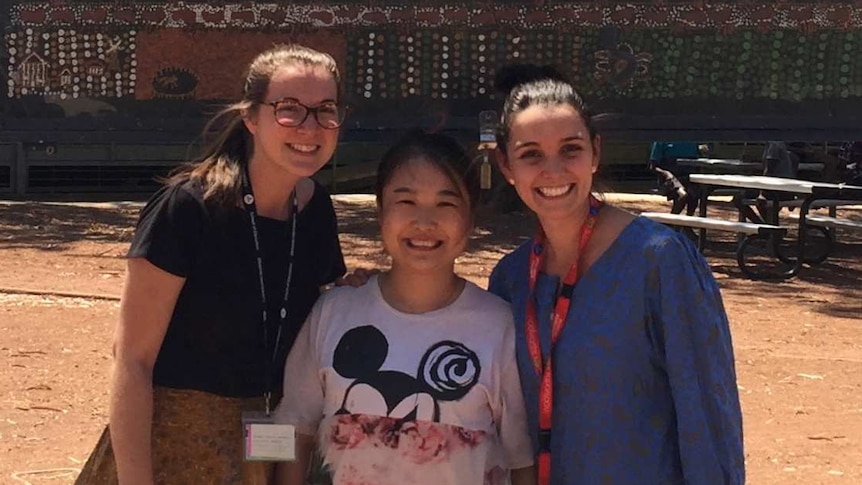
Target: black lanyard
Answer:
pixel 248 202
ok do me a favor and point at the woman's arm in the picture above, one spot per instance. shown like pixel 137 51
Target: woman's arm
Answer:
pixel 699 362
pixel 510 414
pixel 146 307
pixel 302 404
pixel 294 472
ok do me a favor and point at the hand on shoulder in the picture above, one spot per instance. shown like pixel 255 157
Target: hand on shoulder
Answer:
pixel 357 278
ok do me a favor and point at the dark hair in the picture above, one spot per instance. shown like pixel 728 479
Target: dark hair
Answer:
pixel 227 142
pixel 526 85
pixel 443 151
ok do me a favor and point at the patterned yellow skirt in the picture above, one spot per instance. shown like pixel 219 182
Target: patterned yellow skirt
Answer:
pixel 196 439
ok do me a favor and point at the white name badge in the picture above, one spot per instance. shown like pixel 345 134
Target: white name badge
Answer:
pixel 266 441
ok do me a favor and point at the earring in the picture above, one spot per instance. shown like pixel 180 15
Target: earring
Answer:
pixel 511 181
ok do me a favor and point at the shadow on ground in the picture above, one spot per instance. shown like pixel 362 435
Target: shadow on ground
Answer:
pixel 54 226
pixel 830 288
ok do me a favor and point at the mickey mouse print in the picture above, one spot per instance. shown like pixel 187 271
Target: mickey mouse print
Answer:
pixel 396 398
pixel 446 372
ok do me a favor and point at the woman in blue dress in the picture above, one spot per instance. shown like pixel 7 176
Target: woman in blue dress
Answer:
pixel 623 342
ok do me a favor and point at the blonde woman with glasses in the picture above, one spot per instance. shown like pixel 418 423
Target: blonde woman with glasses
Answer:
pixel 226 262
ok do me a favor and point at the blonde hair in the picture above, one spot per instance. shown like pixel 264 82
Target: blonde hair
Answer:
pixel 227 142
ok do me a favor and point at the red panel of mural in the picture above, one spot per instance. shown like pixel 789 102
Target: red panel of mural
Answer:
pixel 209 64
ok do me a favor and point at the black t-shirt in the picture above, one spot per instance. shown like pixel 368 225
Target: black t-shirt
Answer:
pixel 215 339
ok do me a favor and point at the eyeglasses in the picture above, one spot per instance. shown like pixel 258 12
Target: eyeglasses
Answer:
pixel 289 112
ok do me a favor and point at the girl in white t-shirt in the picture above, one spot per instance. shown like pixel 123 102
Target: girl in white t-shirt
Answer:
pixel 411 378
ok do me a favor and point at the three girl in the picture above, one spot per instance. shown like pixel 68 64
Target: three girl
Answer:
pixel 622 342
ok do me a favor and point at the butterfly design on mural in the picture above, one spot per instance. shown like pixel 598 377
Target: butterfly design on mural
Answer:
pixel 617 63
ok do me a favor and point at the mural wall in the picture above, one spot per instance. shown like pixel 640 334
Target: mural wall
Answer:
pixel 672 59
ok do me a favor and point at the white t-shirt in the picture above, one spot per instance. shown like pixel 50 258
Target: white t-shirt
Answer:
pixel 397 398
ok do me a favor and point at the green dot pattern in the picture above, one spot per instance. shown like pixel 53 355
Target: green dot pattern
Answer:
pixel 745 64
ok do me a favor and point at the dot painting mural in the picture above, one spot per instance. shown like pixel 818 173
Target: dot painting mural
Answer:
pixel 447 64
pixel 446 52
pixel 71 62
pixel 726 16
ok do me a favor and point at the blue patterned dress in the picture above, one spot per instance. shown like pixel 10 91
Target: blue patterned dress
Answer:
pixel 644 381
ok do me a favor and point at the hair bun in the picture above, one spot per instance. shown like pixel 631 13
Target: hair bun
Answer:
pixel 511 76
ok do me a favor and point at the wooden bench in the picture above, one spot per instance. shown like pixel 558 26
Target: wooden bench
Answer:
pixel 829 222
pixel 830 204
pixel 825 227
pixel 817 204
pixel 748 228
pixel 751 231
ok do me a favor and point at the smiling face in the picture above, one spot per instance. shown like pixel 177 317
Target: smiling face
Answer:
pixel 550 159
pixel 300 150
pixel 424 217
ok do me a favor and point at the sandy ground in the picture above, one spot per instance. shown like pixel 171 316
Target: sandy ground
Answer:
pixel 798 343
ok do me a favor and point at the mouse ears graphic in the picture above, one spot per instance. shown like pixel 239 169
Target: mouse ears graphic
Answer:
pixel 360 353
pixel 449 370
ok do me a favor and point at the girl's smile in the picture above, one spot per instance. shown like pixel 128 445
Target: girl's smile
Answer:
pixel 550 160
pixel 424 219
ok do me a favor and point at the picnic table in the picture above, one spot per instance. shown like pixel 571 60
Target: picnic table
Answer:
pixel 752 226
pixel 813 192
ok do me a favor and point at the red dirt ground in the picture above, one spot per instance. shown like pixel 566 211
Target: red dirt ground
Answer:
pixel 798 343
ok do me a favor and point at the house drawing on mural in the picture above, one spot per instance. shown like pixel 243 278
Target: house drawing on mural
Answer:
pixel 33 71
pixel 66 77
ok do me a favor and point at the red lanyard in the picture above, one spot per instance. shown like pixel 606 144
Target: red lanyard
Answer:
pixel 558 322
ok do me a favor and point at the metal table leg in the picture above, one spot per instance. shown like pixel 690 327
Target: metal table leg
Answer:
pixel 703 193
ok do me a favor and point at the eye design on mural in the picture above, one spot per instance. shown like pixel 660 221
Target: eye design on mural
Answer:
pixel 446 372
pixel 174 82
